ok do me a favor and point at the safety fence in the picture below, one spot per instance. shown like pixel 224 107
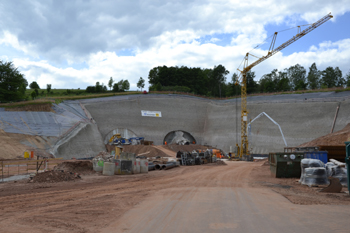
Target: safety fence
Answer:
pixel 10 168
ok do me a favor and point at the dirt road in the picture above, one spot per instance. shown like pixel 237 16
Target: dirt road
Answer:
pixel 186 199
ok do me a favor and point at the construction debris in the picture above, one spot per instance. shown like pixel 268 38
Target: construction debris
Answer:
pixel 54 177
pixel 81 167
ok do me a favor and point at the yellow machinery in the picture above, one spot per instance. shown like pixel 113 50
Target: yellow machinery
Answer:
pixel 114 136
pixel 243 151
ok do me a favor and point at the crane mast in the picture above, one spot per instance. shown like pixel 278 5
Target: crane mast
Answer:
pixel 243 150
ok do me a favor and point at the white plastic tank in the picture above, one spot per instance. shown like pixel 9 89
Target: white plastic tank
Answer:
pixel 144 166
pixel 108 169
pixel 117 169
pixel 97 165
pixel 136 166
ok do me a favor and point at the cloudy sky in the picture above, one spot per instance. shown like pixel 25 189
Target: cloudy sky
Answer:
pixel 75 43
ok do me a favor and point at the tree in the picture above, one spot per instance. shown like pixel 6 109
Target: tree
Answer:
pixel 283 82
pixel 347 79
pixel 266 84
pixel 296 75
pixel 218 77
pixel 12 83
pixel 33 94
pixel 110 83
pixel 48 88
pixel 141 83
pixel 332 77
pixel 34 85
pixel 115 87
pixel 251 84
pixel 125 85
pixel 313 77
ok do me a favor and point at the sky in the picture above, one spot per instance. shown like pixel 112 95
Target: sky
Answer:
pixel 76 43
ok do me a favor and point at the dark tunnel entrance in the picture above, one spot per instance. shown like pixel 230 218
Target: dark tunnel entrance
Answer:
pixel 179 137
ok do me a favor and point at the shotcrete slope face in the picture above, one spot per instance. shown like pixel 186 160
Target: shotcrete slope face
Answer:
pixel 214 122
pixel 300 122
pixel 177 114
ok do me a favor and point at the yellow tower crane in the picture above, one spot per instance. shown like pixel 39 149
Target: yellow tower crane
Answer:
pixel 243 150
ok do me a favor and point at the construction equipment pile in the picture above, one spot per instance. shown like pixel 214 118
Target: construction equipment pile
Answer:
pixel 195 157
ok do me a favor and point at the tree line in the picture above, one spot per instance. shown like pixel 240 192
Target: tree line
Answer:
pixel 212 82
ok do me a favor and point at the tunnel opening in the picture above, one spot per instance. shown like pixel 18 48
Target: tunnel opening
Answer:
pixel 179 137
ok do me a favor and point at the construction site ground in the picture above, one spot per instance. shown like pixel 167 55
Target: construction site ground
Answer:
pixel 239 197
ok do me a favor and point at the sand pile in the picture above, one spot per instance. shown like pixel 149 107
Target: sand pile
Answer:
pixel 332 139
pixel 80 167
pixel 153 151
pixel 54 177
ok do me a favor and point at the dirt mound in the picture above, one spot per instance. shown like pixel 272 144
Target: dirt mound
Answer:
pixel 54 177
pixel 153 151
pixel 81 167
pixel 332 139
pixel 217 163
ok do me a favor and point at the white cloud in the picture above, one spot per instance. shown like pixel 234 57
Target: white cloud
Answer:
pixel 58 34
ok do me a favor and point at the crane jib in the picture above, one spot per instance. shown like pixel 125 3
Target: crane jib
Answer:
pixel 244 150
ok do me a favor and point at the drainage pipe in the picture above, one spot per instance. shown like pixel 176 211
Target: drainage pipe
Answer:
pixel 168 165
pixel 158 167
pixel 151 167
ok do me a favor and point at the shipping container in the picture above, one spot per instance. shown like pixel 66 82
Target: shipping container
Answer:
pixel 321 155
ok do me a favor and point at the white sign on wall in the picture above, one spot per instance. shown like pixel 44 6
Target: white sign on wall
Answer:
pixel 151 113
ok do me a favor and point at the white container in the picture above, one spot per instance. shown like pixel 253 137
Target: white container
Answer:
pixel 144 166
pixel 108 169
pixel 97 165
pixel 136 166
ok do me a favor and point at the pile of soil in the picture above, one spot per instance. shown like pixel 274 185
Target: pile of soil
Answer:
pixel 332 139
pixel 147 151
pixel 54 177
pixel 217 163
pixel 80 167
pixel 155 151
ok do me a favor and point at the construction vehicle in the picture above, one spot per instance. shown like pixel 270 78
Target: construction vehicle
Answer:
pixel 243 151
pixel 117 139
